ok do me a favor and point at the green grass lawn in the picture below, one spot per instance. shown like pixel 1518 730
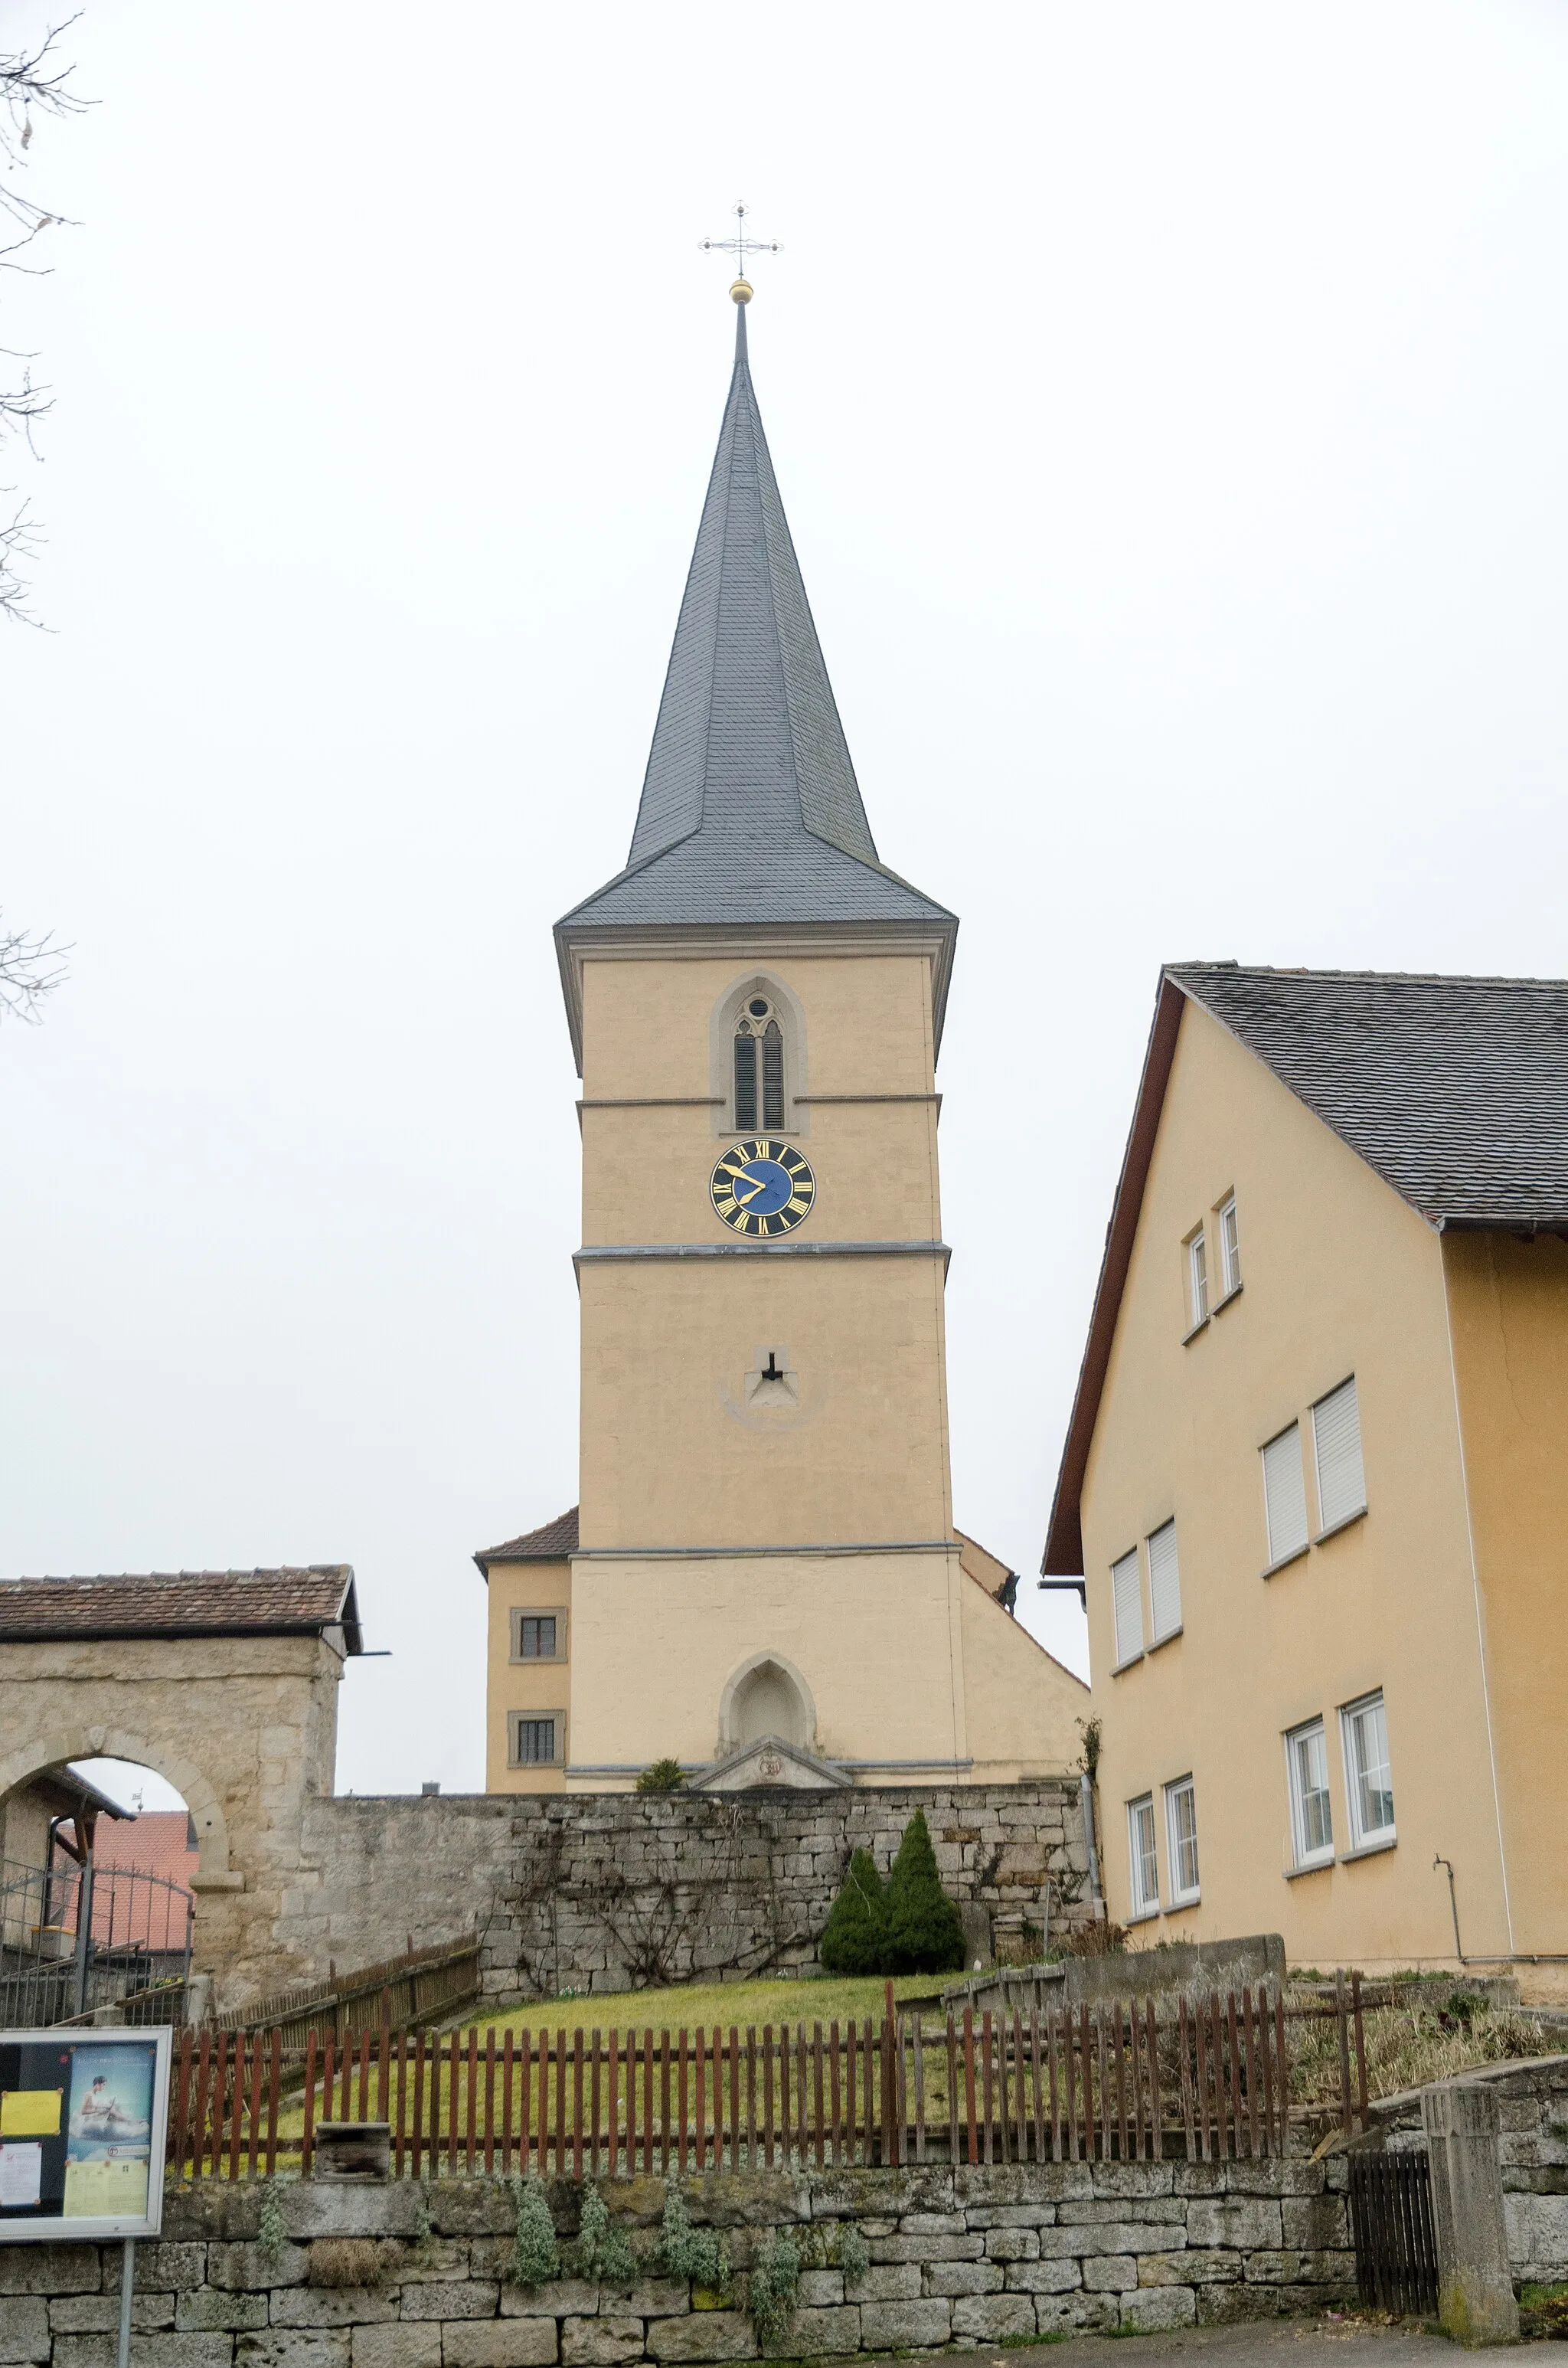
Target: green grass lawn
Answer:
pixel 694 2006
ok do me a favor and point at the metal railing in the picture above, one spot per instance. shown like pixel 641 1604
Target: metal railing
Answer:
pixel 75 1937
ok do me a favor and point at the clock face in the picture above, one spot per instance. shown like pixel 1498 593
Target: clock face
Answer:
pixel 763 1188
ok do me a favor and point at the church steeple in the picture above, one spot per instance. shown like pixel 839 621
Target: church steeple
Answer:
pixel 751 813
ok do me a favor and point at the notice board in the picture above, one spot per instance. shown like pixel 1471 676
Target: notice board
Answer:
pixel 84 2125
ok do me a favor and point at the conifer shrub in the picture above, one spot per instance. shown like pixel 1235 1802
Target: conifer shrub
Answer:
pixel 662 1776
pixel 854 1938
pixel 924 1932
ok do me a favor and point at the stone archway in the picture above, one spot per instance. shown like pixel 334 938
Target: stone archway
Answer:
pixel 226 1684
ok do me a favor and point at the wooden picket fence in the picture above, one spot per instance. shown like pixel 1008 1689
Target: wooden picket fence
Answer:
pixel 1126 2081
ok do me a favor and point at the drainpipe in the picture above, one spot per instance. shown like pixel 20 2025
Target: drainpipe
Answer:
pixel 1512 1957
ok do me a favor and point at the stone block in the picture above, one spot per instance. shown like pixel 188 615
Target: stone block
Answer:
pixel 1197 2265
pixel 705 2335
pixel 1044 2277
pixel 889 2325
pixel 49 2269
pixel 1275 2178
pixel 397 2347
pixel 160 2350
pixel 1151 2308
pixel 900 2284
pixel 24 2328
pixel 1537 2230
pixel 1292 2269
pixel 333 2208
pixel 989 2185
pixel 561 2298
pixel 1108 2236
pixel 819 2290
pixel 99 2314
pixel 446 2261
pixel 649 2298
pixel 472 2207
pixel 212 2311
pixel 1153 2211
pixel 933 2224
pixel 510 2342
pixel 952 2278
pixel 928 2248
pixel 1198 2178
pixel 287 2347
pixel 471 2299
pixel 990 2318
pixel 1247 2223
pixel 245 2269
pixel 1141 2179
pixel 161 2269
pixel 593 2342
pixel 1011 2216
pixel 1314 2222
pixel 334 2306
pixel 1111 2273
pixel 1012 2244
pixel 817 2333
pixel 1093 2314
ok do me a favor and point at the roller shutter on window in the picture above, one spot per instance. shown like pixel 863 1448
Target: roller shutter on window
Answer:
pixel 1285 1494
pixel 1127 1602
pixel 1165 1582
pixel 1336 1440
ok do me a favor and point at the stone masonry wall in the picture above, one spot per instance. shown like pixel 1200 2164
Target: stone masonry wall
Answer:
pixel 964 2257
pixel 1532 2148
pixel 616 1890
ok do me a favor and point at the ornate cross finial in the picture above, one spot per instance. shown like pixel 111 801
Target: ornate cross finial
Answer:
pixel 740 247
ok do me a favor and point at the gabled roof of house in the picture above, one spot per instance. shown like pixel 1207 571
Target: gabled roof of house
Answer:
pixel 1453 1090
pixel 750 815
pixel 291 1602
pixel 552 1542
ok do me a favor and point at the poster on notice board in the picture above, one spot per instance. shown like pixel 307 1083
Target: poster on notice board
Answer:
pixel 84 2119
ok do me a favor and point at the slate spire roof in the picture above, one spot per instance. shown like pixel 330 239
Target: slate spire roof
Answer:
pixel 751 813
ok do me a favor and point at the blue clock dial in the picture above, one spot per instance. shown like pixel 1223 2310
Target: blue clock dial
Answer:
pixel 763 1188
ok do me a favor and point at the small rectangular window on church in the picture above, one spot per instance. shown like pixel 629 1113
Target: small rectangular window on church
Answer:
pixel 539 1635
pixel 533 1742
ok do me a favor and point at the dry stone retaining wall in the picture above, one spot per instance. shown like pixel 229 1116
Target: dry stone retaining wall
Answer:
pixel 613 1891
pixel 964 2257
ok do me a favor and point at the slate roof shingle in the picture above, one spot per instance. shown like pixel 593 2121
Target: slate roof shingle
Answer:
pixel 751 813
pixel 288 1602
pixel 551 1543
pixel 1455 1090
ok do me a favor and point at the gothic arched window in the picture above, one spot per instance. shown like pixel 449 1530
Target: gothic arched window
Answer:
pixel 760 1068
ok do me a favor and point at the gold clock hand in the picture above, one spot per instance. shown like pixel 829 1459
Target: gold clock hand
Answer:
pixel 759 1186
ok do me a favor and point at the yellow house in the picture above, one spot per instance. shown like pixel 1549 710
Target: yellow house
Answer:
pixel 762 1579
pixel 1316 1475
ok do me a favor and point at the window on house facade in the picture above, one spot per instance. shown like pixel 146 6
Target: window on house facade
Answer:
pixel 536 1741
pixel 1369 1780
pixel 1181 1840
pixel 1197 1279
pixel 760 1068
pixel 1165 1582
pixel 539 1636
pixel 1284 1495
pixel 1311 1813
pixel 1336 1445
pixel 1143 1856
pixel 1126 1603
pixel 1230 1247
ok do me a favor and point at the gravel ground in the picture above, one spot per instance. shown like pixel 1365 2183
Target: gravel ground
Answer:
pixel 1349 2342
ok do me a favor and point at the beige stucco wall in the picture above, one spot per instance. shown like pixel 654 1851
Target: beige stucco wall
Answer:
pixel 524 1685
pixel 1339 1276
pixel 1509 1308
pixel 243 1728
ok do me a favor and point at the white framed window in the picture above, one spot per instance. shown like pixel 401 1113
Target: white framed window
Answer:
pixel 1197 1279
pixel 1230 1247
pixel 1181 1840
pixel 1143 1856
pixel 1369 1780
pixel 1127 1601
pixel 1165 1582
pixel 1312 1812
pixel 1285 1494
pixel 1336 1445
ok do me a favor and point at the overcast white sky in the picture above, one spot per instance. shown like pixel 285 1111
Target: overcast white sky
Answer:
pixel 1169 404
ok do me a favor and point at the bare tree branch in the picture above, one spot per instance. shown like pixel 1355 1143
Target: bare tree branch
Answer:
pixel 30 969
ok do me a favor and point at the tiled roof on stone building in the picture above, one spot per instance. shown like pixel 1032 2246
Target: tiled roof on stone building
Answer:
pixel 291 1602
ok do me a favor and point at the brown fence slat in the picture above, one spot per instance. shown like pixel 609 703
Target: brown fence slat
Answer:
pixel 308 2127
pixel 274 2086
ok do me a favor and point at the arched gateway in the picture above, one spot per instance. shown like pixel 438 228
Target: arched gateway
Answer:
pixel 225 1682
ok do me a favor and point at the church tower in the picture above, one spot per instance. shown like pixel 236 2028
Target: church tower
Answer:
pixel 763 1580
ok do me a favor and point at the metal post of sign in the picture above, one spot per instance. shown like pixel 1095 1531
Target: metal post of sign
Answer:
pixel 127 2286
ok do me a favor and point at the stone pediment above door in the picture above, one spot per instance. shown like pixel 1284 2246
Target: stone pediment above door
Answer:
pixel 772 1762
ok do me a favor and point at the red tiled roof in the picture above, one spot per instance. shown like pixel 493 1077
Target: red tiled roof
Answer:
pixel 155 1841
pixel 551 1543
pixel 182 1603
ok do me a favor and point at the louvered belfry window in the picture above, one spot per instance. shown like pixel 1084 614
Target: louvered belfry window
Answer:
pixel 759 1069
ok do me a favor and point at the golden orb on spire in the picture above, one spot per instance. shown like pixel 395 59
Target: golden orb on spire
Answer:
pixel 741 290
